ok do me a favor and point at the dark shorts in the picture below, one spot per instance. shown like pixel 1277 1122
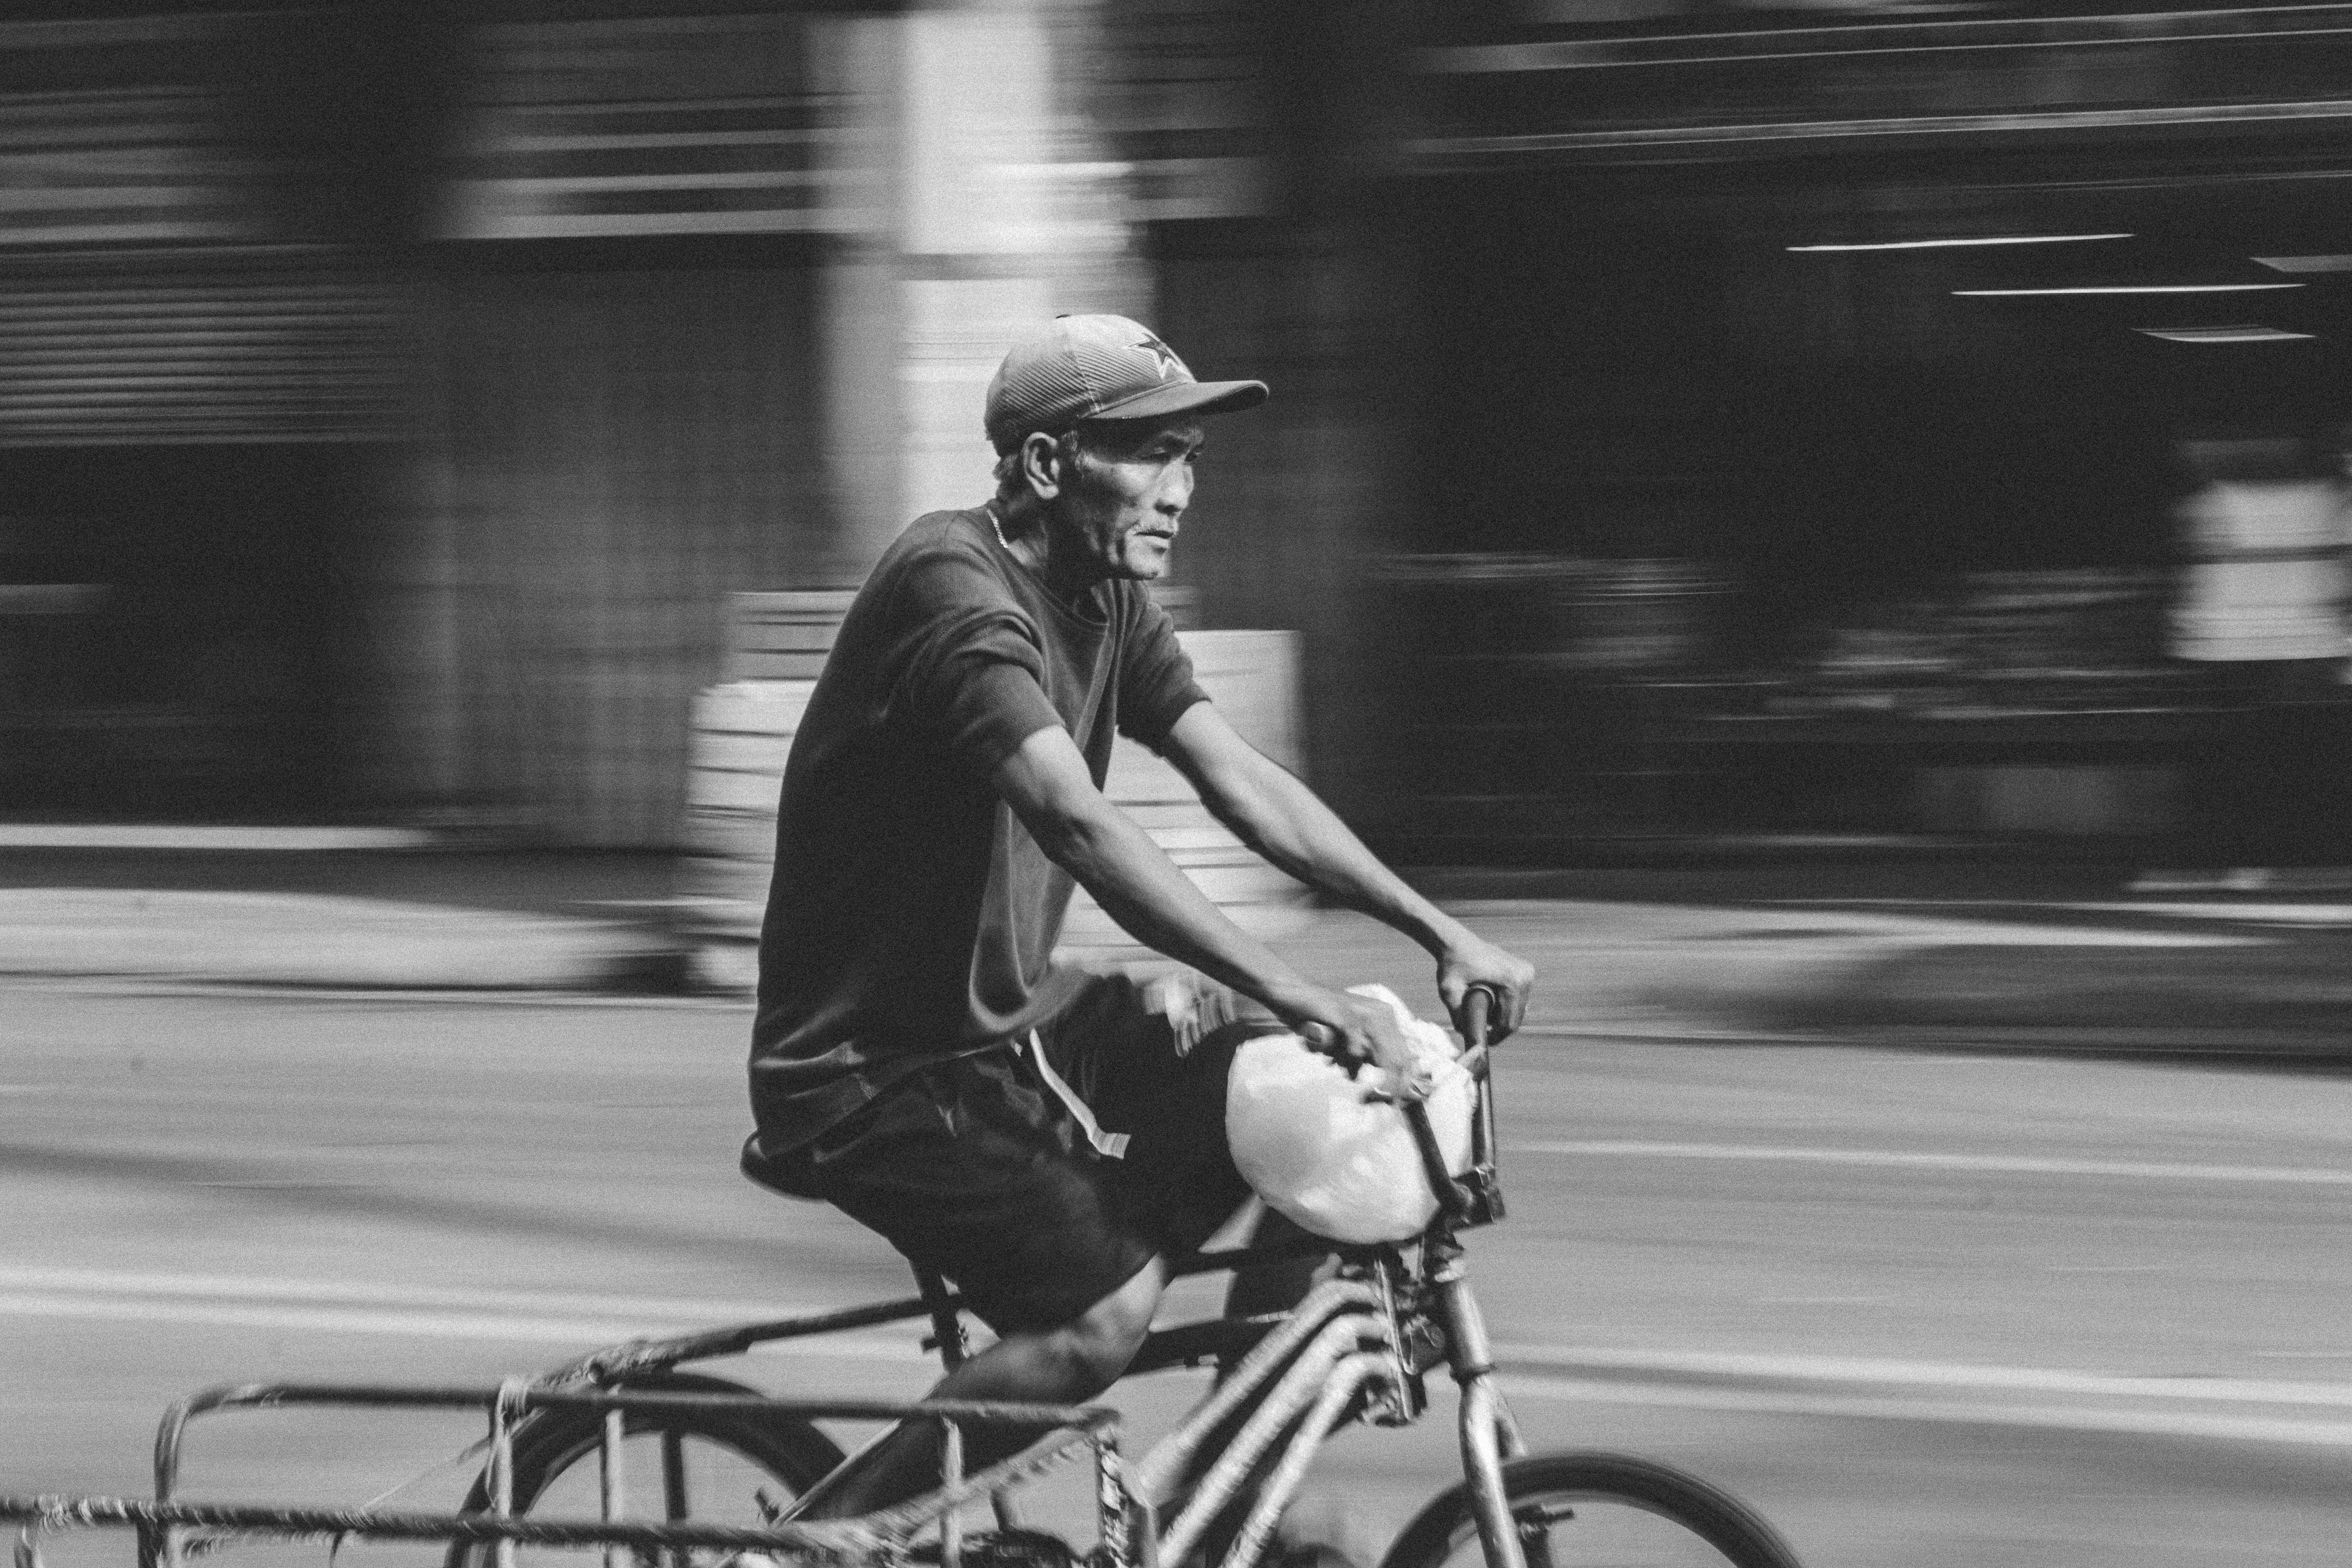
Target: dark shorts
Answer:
pixel 975 1167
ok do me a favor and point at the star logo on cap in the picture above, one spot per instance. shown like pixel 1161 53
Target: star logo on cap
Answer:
pixel 1164 356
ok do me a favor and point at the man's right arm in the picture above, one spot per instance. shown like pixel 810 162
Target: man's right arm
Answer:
pixel 1045 782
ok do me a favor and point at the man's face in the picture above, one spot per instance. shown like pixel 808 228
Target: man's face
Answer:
pixel 1117 511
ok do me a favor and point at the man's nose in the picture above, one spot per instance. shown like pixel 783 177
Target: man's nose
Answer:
pixel 1175 491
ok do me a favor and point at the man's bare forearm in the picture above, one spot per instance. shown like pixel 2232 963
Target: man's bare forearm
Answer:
pixel 1152 900
pixel 1048 786
pixel 1276 814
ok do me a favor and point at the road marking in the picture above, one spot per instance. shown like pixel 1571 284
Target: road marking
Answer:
pixel 2275 913
pixel 2011 1165
pixel 171 836
pixel 2211 1427
pixel 2108 1267
pixel 572 1313
pixel 2263 914
pixel 368 1293
pixel 581 1320
pixel 374 997
pixel 573 1333
pixel 1810 1385
pixel 1890 1373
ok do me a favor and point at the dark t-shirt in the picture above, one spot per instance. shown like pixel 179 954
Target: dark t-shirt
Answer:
pixel 912 918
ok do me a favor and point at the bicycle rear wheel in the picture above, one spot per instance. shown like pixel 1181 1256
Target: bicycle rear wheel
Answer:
pixel 714 1466
pixel 1598 1510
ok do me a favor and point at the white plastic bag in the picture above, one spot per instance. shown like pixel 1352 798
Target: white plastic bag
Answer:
pixel 1310 1140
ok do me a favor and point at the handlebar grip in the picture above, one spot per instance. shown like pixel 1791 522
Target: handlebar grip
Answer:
pixel 1477 1007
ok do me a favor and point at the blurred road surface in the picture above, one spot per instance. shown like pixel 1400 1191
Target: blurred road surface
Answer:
pixel 1921 1309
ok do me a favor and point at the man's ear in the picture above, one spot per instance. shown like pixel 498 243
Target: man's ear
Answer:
pixel 1041 465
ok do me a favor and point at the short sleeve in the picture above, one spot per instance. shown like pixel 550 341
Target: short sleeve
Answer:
pixel 1155 678
pixel 972 663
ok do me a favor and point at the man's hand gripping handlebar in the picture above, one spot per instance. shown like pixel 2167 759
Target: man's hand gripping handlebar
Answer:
pixel 1351 1029
pixel 1460 1202
pixel 1372 1035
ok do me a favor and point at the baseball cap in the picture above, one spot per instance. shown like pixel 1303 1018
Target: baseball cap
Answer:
pixel 1099 367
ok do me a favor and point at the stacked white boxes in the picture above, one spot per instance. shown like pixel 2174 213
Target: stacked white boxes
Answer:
pixel 743 733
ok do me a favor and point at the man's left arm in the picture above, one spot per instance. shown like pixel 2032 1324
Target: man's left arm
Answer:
pixel 1272 810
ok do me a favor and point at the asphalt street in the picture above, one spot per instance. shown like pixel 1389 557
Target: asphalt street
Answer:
pixel 1919 1308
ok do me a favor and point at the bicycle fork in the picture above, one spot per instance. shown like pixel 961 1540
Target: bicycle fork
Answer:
pixel 1489 1436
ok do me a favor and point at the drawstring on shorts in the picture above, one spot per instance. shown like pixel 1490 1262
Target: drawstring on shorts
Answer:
pixel 1109 1145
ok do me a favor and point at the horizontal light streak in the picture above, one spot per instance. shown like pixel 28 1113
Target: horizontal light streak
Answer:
pixel 1956 1377
pixel 2306 263
pixel 1902 1159
pixel 2303 1412
pixel 1970 35
pixel 1949 244
pixel 2121 288
pixel 571 1330
pixel 2195 1425
pixel 1446 152
pixel 279 1305
pixel 177 836
pixel 2225 334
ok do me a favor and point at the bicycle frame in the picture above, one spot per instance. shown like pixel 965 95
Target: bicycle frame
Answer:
pixel 1328 1372
pixel 1361 1337
pixel 1489 1435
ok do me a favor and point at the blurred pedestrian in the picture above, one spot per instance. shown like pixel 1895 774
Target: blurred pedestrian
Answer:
pixel 2261 610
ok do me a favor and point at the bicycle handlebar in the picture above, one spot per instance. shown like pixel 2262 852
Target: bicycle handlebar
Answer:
pixel 1457 1201
pixel 1453 1197
pixel 1478 1008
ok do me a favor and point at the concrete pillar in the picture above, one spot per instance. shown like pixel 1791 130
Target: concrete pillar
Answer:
pixel 973 205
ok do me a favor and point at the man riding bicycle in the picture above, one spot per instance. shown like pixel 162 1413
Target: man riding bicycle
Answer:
pixel 1043 1137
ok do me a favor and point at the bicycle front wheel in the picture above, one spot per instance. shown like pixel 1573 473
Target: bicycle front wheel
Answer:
pixel 1598 1510
pixel 712 1467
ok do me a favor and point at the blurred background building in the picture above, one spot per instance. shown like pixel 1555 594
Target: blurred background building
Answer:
pixel 1691 419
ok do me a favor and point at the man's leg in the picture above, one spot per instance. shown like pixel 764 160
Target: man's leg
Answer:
pixel 1152 1059
pixel 1274 1286
pixel 1152 1055
pixel 1060 1365
pixel 973 1168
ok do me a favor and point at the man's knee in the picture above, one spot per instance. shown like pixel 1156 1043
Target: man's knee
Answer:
pixel 1097 1345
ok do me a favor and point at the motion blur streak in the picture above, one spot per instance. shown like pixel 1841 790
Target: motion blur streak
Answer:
pixel 2042 1167
pixel 1795 515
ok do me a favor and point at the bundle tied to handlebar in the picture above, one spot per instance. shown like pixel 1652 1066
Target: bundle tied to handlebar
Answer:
pixel 1338 1148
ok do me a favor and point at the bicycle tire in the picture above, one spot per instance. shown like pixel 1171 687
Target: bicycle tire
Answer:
pixel 1733 1533
pixel 549 1444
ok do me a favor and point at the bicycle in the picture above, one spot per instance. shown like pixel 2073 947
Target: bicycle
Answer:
pixel 1357 1348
